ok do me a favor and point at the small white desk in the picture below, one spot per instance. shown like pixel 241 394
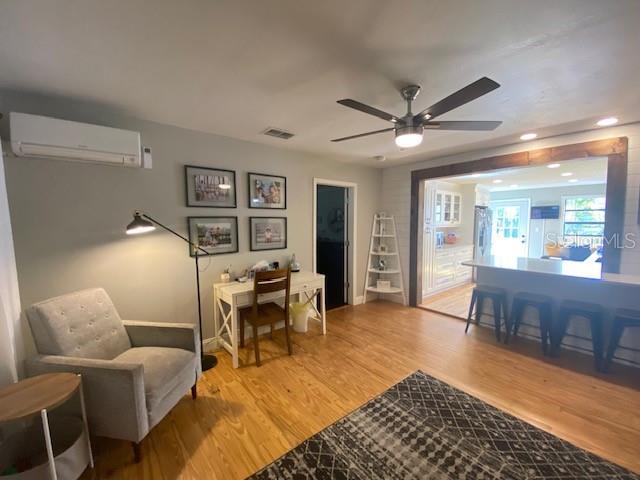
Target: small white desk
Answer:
pixel 229 297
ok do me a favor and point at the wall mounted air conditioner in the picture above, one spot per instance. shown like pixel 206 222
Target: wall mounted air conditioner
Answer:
pixel 36 136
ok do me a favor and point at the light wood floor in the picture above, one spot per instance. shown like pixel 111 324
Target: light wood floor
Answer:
pixel 454 301
pixel 246 418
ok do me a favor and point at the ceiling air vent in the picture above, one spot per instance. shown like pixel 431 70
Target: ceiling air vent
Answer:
pixel 276 132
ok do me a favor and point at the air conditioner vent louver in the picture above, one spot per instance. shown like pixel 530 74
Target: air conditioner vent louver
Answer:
pixel 276 132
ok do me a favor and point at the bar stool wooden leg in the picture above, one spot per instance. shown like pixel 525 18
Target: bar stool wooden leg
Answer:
pixel 473 301
pixel 616 335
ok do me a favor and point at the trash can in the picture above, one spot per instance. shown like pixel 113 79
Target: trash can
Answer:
pixel 299 313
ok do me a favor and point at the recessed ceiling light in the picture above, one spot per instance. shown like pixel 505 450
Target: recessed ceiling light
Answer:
pixel 573 180
pixel 515 185
pixel 607 122
pixel 528 136
pixel 476 174
pixel 497 180
pixel 566 174
pixel 553 165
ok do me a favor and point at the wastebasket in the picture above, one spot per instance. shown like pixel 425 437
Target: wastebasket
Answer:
pixel 299 314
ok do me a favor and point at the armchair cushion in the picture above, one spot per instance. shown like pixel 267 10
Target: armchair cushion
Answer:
pixel 163 370
pixel 82 324
pixel 114 392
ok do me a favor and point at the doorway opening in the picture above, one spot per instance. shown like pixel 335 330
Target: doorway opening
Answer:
pixel 552 212
pixel 334 205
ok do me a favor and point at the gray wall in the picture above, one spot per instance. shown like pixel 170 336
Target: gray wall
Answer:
pixel 68 218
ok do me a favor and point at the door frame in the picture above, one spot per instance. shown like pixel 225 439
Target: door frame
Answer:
pixel 615 149
pixel 352 233
pixel 507 200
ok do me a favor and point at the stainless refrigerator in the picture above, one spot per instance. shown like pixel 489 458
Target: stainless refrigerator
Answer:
pixel 482 233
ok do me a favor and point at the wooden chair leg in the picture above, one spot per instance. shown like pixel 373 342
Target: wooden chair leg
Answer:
pixel 286 333
pixel 616 335
pixel 242 333
pixel 255 344
pixel 194 391
pixel 473 301
pixel 137 452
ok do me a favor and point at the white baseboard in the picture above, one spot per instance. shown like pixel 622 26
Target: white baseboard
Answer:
pixel 359 300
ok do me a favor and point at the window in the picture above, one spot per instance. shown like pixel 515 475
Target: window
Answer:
pixel 584 216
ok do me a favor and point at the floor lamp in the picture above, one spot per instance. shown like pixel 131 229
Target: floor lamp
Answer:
pixel 144 223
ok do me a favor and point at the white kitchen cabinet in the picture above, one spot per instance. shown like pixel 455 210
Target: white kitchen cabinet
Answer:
pixel 447 270
pixel 447 208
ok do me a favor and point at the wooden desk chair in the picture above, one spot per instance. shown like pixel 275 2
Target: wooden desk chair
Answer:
pixel 260 314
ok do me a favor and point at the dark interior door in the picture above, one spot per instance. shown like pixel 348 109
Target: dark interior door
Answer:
pixel 331 242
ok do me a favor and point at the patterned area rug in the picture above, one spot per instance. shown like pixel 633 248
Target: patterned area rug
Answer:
pixel 424 428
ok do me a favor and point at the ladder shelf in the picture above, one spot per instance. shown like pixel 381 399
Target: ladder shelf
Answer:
pixel 384 271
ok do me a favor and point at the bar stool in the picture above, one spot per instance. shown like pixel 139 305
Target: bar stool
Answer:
pixel 498 298
pixel 623 318
pixel 592 312
pixel 542 304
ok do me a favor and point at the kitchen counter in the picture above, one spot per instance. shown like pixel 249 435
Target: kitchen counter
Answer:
pixel 453 246
pixel 565 280
pixel 563 268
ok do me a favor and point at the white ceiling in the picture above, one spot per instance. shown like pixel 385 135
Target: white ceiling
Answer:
pixel 576 172
pixel 235 67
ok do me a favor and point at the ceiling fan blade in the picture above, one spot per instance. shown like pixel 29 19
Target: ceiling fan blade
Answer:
pixel 471 125
pixel 347 102
pixel 363 135
pixel 464 95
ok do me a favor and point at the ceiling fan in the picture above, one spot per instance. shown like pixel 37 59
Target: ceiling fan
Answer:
pixel 409 128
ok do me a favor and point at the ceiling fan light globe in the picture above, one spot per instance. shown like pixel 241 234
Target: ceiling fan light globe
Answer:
pixel 409 136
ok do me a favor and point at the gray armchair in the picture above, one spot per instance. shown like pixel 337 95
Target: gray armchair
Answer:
pixel 133 373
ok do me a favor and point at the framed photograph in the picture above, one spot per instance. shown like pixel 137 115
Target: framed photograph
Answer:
pixel 216 235
pixel 210 187
pixel 267 191
pixel 268 233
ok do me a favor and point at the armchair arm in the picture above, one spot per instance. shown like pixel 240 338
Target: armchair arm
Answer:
pixel 161 334
pixel 113 391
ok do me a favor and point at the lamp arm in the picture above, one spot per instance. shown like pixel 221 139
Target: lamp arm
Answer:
pixel 195 247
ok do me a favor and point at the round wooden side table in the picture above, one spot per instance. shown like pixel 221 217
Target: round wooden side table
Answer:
pixel 38 396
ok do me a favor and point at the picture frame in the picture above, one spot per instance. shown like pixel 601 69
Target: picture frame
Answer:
pixel 210 187
pixel 267 233
pixel 267 191
pixel 217 235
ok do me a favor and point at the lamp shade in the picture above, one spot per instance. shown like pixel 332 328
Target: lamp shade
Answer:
pixel 139 225
pixel 409 136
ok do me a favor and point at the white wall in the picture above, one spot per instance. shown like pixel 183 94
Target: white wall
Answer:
pixel 396 185
pixel 69 218
pixel 10 349
pixel 539 230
